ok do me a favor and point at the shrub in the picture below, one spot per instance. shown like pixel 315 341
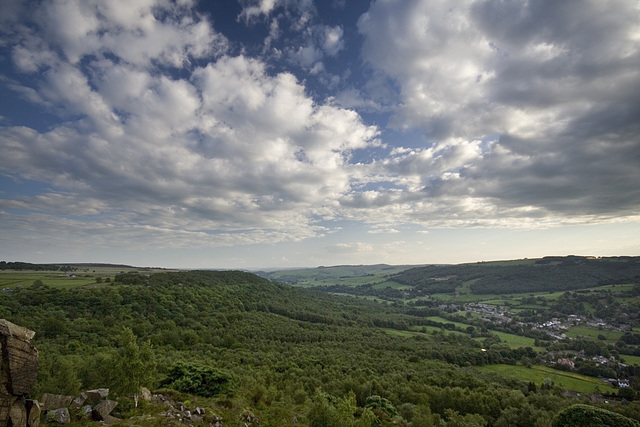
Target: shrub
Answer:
pixel 198 379
pixel 590 416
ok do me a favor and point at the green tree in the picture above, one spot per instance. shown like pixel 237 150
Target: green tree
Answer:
pixel 589 416
pixel 381 407
pixel 329 411
pixel 199 380
pixel 422 417
pixel 454 419
pixel 134 365
pixel 62 379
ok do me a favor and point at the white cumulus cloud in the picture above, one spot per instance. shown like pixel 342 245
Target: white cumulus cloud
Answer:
pixel 214 156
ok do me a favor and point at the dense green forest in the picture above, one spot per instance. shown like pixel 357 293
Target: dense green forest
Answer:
pixel 285 354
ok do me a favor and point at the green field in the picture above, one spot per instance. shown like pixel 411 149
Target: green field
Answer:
pixel 614 288
pixel 631 360
pixel 471 314
pixel 515 300
pixel 348 275
pixel 390 284
pixel 538 373
pixel 82 276
pixel 592 332
pixel 516 341
pixel 432 329
pixel 499 302
pixel 443 320
pixel 56 279
pixel 347 281
pixel 422 331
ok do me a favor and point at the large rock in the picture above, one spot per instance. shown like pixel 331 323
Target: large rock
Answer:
pixel 18 412
pixel 108 420
pixel 55 401
pixel 60 416
pixel 145 394
pixel 20 332
pixel 6 400
pixel 33 410
pixel 78 402
pixel 18 372
pixel 95 396
pixel 103 409
pixel 85 412
pixel 19 358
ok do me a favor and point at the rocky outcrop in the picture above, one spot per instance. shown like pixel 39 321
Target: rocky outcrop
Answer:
pixel 59 416
pixel 18 373
pixel 90 405
pixel 33 410
pixel 102 410
pixel 179 412
pixel 95 396
pixel 50 401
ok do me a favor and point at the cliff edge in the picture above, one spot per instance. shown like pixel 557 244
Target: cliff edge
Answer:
pixel 18 373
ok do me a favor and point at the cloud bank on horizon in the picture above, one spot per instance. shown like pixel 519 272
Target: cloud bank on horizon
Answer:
pixel 195 125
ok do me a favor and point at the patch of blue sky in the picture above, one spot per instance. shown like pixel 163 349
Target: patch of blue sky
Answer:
pixel 379 186
pixel 368 155
pixel 11 187
pixel 411 138
pixel 17 111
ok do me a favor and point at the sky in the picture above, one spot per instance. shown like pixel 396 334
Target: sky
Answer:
pixel 298 133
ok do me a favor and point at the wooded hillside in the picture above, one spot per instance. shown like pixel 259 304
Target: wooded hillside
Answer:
pixel 283 352
pixel 545 274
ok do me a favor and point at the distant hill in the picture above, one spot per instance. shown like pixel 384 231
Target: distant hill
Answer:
pixel 100 264
pixel 4 265
pixel 552 273
pixel 530 275
pixel 324 275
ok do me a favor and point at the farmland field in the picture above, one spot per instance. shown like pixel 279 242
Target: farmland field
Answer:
pixel 56 279
pixel 537 374
pixel 516 341
pixel 593 332
pixel 390 284
pixel 631 360
pixel 443 320
pixel 348 275
pixel 432 329
pixel 83 275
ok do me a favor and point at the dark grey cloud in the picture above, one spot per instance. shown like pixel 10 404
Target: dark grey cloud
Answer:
pixel 583 27
pixel 552 83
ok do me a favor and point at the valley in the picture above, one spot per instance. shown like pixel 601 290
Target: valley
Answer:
pixel 348 345
pixel 585 330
